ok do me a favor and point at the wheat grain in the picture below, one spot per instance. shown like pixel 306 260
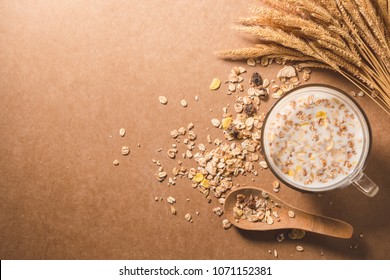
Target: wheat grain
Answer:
pixel 349 37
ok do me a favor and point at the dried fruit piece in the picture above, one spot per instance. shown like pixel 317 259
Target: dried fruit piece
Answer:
pixel 122 132
pixel 256 79
pixel 163 100
pixel 215 84
pixel 249 109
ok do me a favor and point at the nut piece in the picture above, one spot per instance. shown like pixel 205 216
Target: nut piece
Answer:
pixel 125 150
pixel 188 217
pixel 215 84
pixel 171 200
pixel 163 100
pixel 122 132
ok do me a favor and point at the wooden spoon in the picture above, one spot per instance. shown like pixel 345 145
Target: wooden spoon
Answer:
pixel 302 220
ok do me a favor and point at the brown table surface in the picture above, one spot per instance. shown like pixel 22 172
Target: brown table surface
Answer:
pixel 74 72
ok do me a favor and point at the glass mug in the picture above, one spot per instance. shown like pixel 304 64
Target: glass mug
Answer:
pixel 316 139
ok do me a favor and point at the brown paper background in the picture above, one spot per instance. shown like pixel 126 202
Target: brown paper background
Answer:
pixel 74 72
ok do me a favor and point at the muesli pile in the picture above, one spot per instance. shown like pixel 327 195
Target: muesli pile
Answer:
pixel 239 152
pixel 256 209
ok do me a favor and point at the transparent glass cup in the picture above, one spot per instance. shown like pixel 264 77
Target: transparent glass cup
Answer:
pixel 355 176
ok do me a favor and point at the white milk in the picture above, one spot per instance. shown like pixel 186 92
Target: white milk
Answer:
pixel 314 139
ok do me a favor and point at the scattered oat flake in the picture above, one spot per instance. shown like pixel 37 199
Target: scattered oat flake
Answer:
pixel 116 162
pixel 291 214
pixel 188 217
pixel 183 103
pixel 299 248
pixel 125 150
pixel 215 122
pixel 215 84
pixel 122 132
pixel 275 253
pixel 171 200
pixel 196 97
pixel 232 87
pixel 173 210
pixel 251 62
pixel 226 224
pixel 163 100
pixel 280 237
pixel 263 164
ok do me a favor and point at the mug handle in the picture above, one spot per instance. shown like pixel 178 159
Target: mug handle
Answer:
pixel 365 184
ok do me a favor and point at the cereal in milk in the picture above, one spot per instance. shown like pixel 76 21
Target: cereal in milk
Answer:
pixel 315 140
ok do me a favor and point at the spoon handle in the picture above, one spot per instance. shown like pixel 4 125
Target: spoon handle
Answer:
pixel 330 226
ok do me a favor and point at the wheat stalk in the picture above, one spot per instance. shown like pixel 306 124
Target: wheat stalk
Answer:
pixel 346 36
